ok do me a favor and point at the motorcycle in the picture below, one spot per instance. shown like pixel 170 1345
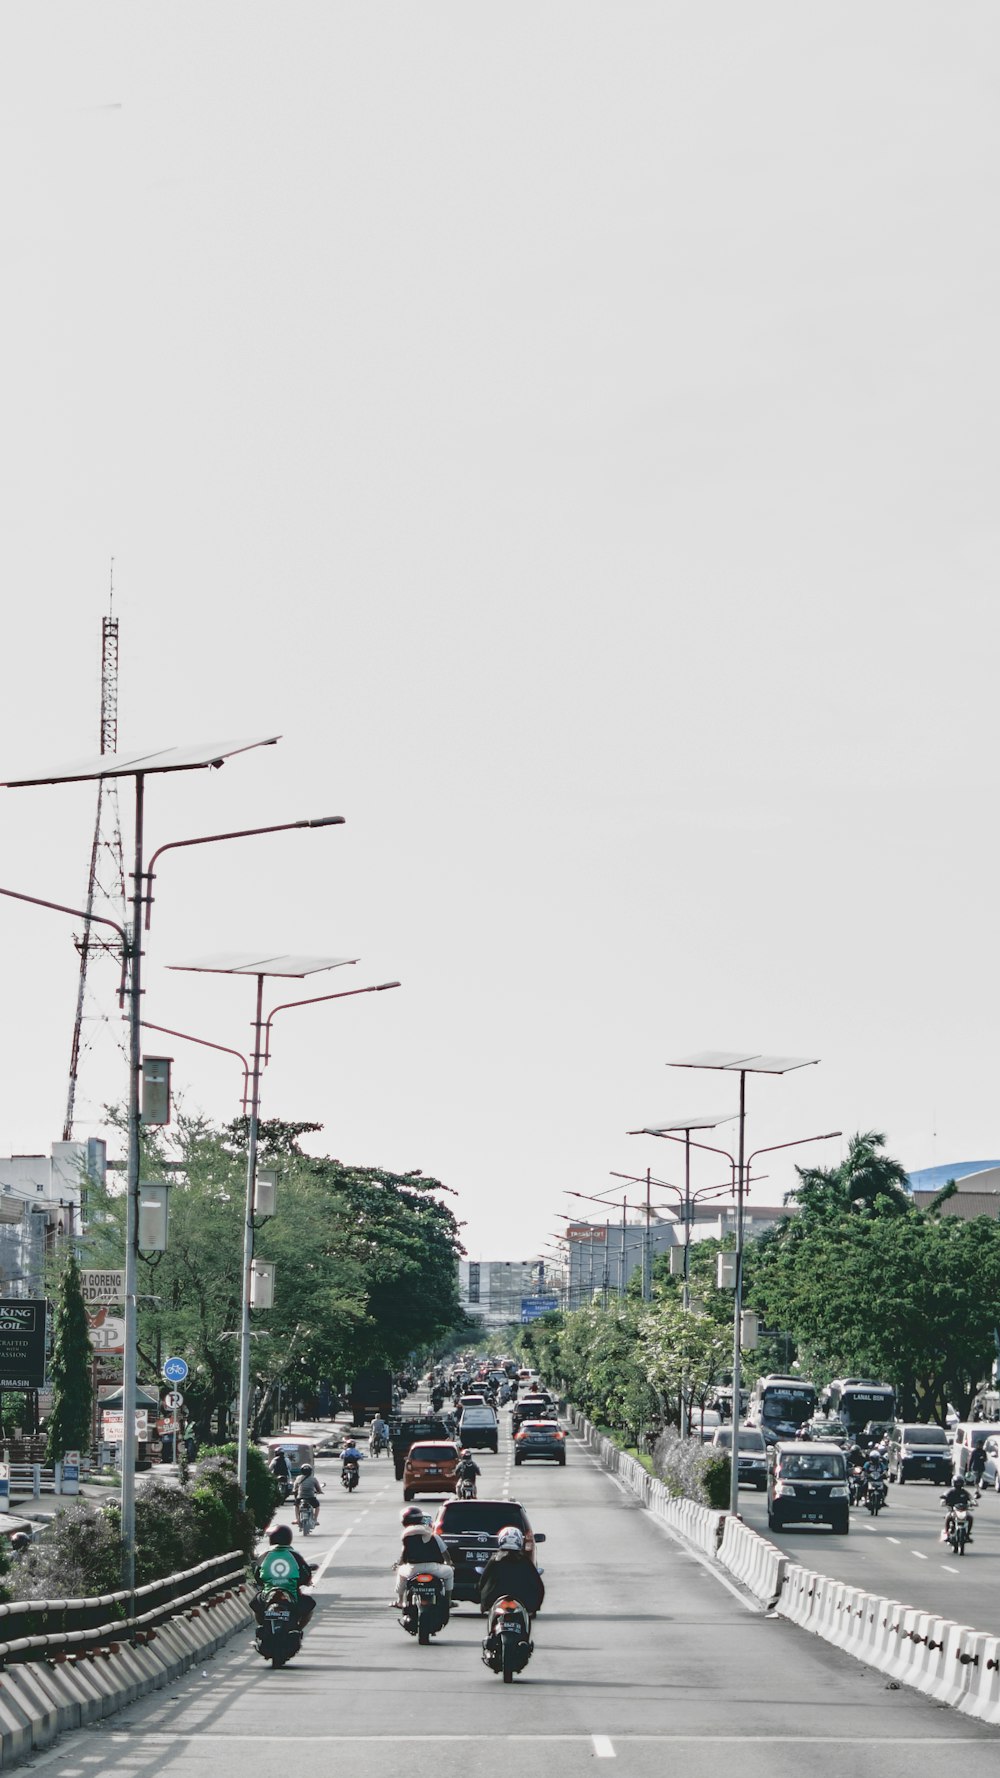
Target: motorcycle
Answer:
pixel 308 1517
pixel 349 1477
pixel 857 1483
pixel 279 1635
pixel 876 1495
pixel 508 1646
pixel 377 1444
pixel 466 1489
pixel 957 1528
pixel 425 1609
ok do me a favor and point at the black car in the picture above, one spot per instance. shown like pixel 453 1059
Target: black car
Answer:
pixel 807 1485
pixel 470 1529
pixel 404 1433
pixel 531 1407
pixel 539 1438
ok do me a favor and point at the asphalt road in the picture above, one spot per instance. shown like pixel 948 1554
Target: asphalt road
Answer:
pixel 642 1656
pixel 900 1555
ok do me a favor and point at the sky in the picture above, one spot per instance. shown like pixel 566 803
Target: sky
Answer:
pixel 572 427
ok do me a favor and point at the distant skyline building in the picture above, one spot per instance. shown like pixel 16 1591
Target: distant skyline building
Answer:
pixel 931 1179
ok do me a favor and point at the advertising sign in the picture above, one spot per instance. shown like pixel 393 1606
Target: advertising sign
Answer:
pixel 113 1425
pixel 533 1306
pixel 102 1288
pixel 107 1332
pixel 587 1231
pixel 22 1343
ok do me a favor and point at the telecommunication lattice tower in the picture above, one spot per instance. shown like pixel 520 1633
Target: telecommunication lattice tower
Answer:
pixel 105 887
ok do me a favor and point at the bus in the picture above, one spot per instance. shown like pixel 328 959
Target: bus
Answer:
pixel 856 1400
pixel 780 1405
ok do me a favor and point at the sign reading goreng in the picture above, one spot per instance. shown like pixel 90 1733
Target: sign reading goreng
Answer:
pixel 22 1343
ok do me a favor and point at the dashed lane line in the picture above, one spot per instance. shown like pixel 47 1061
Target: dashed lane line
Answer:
pixel 342 1539
pixel 919 1555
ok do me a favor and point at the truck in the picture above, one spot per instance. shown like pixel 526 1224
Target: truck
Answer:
pixel 370 1394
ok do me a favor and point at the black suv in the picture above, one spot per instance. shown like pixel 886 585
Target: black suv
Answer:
pixel 470 1529
pixel 404 1433
pixel 807 1484
pixel 532 1407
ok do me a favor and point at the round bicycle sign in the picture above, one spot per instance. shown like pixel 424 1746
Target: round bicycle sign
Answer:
pixel 175 1370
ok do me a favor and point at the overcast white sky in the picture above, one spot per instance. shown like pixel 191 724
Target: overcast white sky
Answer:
pixel 573 427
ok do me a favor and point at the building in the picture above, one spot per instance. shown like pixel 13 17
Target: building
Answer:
pixel 40 1198
pixel 604 1256
pixel 977 1191
pixel 493 1290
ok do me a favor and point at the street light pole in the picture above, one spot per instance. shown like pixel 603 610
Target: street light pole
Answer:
pixel 130 1358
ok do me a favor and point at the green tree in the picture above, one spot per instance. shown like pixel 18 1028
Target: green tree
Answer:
pixel 69 1371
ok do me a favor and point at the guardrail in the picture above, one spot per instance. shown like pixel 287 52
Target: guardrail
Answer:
pixel 55 1627
pixel 948 1661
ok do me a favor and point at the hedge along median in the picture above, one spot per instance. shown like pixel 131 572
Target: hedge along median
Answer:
pixel 947 1661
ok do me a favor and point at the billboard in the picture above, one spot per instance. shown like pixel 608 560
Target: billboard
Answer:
pixel 102 1288
pixel 22 1342
pixel 533 1306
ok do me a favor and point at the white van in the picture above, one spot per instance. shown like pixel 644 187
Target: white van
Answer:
pixel 968 1434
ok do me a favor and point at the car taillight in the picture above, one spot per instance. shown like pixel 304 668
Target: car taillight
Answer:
pixel 519 1435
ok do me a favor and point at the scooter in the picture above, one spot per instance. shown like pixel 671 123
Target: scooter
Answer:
pixel 425 1608
pixel 508 1646
pixel 279 1635
pixel 876 1495
pixel 466 1489
pixel 308 1517
pixel 349 1476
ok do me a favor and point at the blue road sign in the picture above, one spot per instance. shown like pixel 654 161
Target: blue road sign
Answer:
pixel 175 1370
pixel 533 1306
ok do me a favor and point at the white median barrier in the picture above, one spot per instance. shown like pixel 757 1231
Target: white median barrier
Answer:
pixel 982 1699
pixel 958 1664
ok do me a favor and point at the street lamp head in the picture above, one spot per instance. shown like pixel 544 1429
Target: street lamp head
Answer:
pixel 323 821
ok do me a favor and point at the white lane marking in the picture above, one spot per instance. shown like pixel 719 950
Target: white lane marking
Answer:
pixel 892 1540
pixel 919 1555
pixel 342 1539
pixel 603 1747
pixel 950 1570
pixel 162 1738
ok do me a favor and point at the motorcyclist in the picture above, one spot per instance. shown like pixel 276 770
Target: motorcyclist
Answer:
pixel 957 1495
pixel 306 1488
pixel 278 1467
pixel 283 1567
pixel 856 1456
pixel 424 1552
pixel 350 1457
pixel 511 1574
pixel 876 1470
pixel 466 1469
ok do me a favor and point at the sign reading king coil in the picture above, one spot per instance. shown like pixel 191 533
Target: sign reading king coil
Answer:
pixel 22 1343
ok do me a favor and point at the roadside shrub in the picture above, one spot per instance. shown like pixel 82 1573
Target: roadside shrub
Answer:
pixel 263 1493
pixel 77 1556
pixel 212 1524
pixel 691 1470
pixel 166 1532
pixel 218 1474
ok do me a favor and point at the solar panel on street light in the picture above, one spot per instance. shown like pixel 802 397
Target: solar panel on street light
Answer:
pixel 263 963
pixel 130 765
pixel 680 1124
pixel 737 1062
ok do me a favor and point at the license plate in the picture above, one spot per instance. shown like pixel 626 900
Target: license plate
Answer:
pixel 811 1515
pixel 278 1617
pixel 423 1592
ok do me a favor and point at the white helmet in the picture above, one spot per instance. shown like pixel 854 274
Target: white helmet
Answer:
pixel 510 1538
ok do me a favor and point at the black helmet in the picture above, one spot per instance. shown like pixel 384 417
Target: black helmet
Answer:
pixel 306 1469
pixel 281 1535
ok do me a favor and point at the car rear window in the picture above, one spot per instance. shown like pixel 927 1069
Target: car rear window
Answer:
pixel 546 1426
pixel 480 1515
pixel 432 1453
pixel 924 1435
